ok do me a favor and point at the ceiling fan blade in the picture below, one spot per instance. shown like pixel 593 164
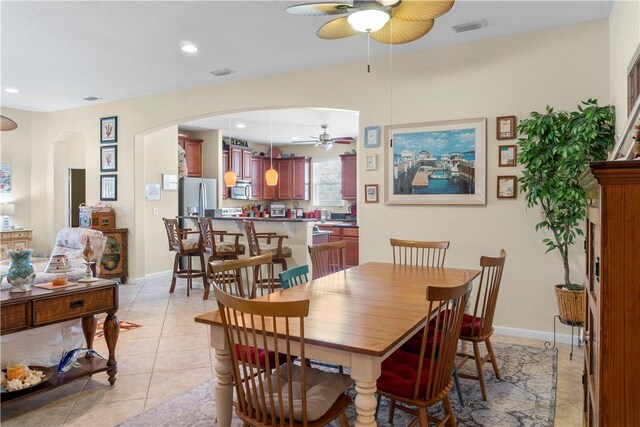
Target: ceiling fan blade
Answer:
pixel 338 28
pixel 421 10
pixel 343 140
pixel 7 124
pixel 318 9
pixel 304 142
pixel 403 31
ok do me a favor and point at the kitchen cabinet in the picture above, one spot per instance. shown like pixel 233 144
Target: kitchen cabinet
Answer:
pixel 301 178
pixel 294 179
pixel 225 169
pixel 257 177
pixel 193 155
pixel 349 187
pixel 240 161
pixel 285 178
pixel 351 235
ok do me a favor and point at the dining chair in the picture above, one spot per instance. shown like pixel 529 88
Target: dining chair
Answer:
pixel 478 326
pixel 184 247
pixel 273 244
pixel 424 379
pixel 294 276
pixel 327 258
pixel 285 394
pixel 220 249
pixel 238 276
pixel 419 253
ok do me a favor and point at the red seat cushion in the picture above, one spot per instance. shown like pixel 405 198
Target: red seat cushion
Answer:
pixel 399 372
pixel 470 327
pixel 255 355
pixel 414 344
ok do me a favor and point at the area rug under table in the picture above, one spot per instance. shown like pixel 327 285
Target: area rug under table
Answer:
pixel 525 396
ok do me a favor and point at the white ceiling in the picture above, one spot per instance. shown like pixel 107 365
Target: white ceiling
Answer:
pixel 57 53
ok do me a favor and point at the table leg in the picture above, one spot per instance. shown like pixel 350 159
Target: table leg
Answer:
pixel 89 325
pixel 224 384
pixel 365 371
pixel 111 332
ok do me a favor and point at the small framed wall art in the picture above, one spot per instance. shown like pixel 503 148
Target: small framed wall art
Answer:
pixel 152 191
pixel 507 187
pixel 506 127
pixel 371 193
pixel 109 130
pixel 169 182
pixel 372 136
pixel 508 155
pixel 109 158
pixel 371 162
pixel 109 187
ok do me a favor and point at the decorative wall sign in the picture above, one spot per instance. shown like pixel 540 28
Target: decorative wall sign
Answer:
pixel 371 162
pixel 152 191
pixel 371 193
pixel 169 182
pixel 109 158
pixel 506 127
pixel 108 129
pixel 507 155
pixel 436 163
pixel 5 179
pixel 109 187
pixel 507 187
pixel 372 136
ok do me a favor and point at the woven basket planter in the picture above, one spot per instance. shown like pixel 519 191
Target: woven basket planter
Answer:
pixel 570 305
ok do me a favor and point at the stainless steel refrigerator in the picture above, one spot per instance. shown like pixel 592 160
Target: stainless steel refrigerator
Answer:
pixel 197 197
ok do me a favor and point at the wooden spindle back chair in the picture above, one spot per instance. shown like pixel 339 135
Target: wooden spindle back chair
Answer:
pixel 239 277
pixel 214 243
pixel 268 400
pixel 477 327
pixel 185 247
pixel 327 258
pixel 419 253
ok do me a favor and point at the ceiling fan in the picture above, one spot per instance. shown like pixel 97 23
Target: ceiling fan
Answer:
pixel 324 140
pixel 386 21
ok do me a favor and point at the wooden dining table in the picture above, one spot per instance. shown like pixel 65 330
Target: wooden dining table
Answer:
pixel 357 318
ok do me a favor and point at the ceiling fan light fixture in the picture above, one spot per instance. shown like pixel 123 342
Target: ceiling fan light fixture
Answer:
pixel 326 147
pixel 369 20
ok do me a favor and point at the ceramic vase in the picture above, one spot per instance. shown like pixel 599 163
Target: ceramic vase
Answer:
pixel 20 273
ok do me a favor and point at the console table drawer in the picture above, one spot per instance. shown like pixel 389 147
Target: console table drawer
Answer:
pixel 73 306
pixel 15 317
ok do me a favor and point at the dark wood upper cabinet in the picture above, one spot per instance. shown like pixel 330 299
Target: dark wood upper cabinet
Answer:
pixel 257 177
pixel 193 155
pixel 225 168
pixel 349 177
pixel 301 178
pixel 285 175
pixel 247 155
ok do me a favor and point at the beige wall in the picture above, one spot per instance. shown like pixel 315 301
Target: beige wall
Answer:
pixel 624 39
pixel 489 78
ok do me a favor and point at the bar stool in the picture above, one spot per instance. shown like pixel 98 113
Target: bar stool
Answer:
pixel 184 247
pixel 273 245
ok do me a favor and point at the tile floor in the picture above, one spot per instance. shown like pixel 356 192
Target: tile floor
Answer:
pixel 170 354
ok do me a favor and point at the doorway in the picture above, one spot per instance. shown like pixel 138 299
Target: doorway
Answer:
pixel 77 195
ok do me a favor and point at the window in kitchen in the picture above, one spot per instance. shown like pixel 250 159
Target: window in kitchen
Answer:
pixel 327 182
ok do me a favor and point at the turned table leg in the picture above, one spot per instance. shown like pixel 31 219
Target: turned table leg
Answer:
pixel 365 370
pixel 224 383
pixel 89 325
pixel 111 332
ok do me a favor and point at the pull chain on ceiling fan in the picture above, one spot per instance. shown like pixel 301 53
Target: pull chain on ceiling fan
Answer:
pixel 411 19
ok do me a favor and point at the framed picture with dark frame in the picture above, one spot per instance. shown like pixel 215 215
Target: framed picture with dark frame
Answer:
pixel 507 187
pixel 109 158
pixel 506 127
pixel 371 193
pixel 109 187
pixel 507 155
pixel 109 130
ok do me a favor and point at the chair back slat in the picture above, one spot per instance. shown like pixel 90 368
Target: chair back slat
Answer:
pixel 294 276
pixel 207 238
pixel 327 258
pixel 172 227
pixel 239 277
pixel 419 253
pixel 448 303
pixel 487 294
pixel 252 325
pixel 252 238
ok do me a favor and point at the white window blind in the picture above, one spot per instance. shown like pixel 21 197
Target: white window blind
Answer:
pixel 327 182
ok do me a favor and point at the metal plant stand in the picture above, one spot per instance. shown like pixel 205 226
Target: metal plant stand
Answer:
pixel 573 325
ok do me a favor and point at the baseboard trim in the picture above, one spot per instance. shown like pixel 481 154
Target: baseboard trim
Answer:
pixel 538 335
pixel 159 274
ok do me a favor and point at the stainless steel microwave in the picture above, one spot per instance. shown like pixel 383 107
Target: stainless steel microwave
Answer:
pixel 242 190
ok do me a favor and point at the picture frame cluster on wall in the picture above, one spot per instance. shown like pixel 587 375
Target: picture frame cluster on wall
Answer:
pixel 109 158
pixel 507 128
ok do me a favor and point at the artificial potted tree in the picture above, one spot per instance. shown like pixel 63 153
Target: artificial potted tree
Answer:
pixel 555 148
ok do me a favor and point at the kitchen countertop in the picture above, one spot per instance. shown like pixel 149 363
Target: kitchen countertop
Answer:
pixel 341 224
pixel 270 219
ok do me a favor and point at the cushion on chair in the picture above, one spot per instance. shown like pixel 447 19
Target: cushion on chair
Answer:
pixel 228 248
pixel 190 244
pixel 255 355
pixel 273 249
pixel 323 389
pixel 399 372
pixel 470 328
pixel 414 344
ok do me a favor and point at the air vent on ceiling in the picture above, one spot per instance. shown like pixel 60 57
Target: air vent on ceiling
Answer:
pixel 467 26
pixel 222 72
pixel 90 98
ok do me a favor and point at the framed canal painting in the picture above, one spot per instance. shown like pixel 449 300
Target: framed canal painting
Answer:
pixel 440 163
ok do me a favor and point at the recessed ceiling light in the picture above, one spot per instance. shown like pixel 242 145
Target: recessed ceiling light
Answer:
pixel 467 26
pixel 11 90
pixel 91 98
pixel 241 125
pixel 189 48
pixel 295 138
pixel 222 72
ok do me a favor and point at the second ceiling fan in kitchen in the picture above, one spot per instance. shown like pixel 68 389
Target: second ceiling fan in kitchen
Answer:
pixel 325 141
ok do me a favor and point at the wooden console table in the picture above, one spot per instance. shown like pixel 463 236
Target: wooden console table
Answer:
pixel 40 307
